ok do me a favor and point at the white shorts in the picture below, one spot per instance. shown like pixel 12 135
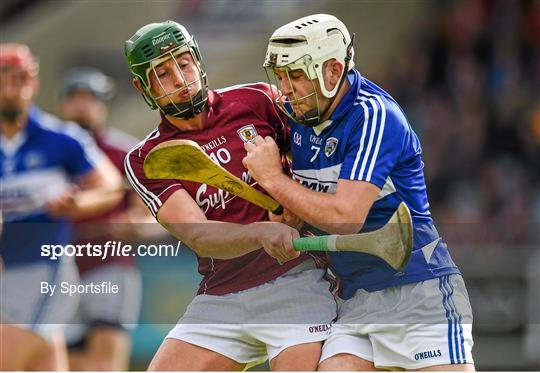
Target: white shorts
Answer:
pixel 410 326
pixel 24 303
pixel 117 310
pixel 255 324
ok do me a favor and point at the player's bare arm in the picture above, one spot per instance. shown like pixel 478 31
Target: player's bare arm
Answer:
pixel 98 193
pixel 341 213
pixel 181 216
pixel 100 190
pixel 110 177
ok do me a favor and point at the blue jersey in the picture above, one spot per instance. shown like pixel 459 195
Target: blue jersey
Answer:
pixel 36 166
pixel 368 138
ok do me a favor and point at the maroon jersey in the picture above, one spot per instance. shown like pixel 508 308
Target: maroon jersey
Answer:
pixel 235 115
pixel 115 145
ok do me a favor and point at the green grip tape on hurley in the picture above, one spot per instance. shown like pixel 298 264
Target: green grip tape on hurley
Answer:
pixel 319 243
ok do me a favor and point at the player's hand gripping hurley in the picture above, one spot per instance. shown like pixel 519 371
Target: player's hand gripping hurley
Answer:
pixel 185 160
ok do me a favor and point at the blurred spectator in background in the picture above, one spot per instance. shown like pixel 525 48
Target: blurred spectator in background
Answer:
pixel 469 76
pixel 47 177
pixel 98 338
pixel 531 342
pixel 471 80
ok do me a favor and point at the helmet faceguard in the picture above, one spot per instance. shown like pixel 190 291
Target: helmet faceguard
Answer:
pixel 306 44
pixel 308 118
pixel 156 43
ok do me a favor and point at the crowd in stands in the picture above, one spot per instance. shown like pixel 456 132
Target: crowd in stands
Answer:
pixel 469 81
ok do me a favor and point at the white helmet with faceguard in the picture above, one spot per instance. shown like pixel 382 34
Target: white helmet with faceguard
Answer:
pixel 306 44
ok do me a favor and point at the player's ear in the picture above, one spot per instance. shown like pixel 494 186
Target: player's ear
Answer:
pixel 332 73
pixel 137 84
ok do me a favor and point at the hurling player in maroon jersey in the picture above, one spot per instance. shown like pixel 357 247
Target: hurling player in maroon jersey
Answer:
pixel 258 298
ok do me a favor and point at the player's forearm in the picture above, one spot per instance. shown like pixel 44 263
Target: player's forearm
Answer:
pixel 322 210
pixel 218 240
pixel 109 177
pixel 102 190
pixel 93 202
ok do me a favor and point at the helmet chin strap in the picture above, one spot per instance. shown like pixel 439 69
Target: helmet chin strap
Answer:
pixel 186 110
pixel 310 118
pixel 315 119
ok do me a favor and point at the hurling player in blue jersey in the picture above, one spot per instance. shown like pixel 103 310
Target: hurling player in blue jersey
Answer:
pixel 355 158
pixel 47 178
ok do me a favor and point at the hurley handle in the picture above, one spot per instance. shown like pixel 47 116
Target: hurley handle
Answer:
pixel 317 243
